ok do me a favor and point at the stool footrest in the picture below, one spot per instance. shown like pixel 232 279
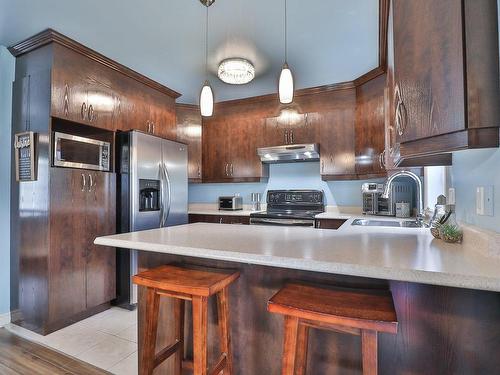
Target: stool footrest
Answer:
pixel 167 352
pixel 220 365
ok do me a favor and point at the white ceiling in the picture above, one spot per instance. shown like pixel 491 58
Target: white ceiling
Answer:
pixel 329 41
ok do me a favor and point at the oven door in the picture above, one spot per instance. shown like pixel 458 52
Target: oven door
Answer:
pixel 73 151
pixel 282 222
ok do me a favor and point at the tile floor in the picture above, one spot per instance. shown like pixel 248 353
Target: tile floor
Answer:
pixel 107 340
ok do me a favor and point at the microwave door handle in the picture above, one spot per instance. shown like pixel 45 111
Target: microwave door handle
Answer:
pixel 169 190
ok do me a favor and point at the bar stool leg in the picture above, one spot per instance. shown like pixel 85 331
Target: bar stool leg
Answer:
pixel 223 323
pixel 200 317
pixel 369 352
pixel 149 339
pixel 290 345
pixel 302 343
pixel 179 310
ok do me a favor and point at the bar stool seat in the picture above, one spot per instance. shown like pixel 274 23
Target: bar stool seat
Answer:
pixel 352 311
pixel 195 285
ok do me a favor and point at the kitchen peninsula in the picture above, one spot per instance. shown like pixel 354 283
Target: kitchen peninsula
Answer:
pixel 455 313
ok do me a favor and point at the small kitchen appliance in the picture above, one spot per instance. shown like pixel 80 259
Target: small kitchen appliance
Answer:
pixel 231 203
pixel 375 204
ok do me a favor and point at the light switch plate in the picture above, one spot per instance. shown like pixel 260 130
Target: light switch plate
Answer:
pixel 451 196
pixel 484 200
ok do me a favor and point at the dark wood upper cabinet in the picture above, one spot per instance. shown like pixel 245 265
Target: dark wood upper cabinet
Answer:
pixel 88 88
pixel 189 131
pixel 370 128
pixel 229 142
pixel 445 75
pixel 337 136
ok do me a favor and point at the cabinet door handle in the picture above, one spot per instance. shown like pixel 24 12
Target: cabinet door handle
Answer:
pixel 401 114
pixel 84 182
pixel 91 182
pixel 149 126
pixel 382 159
pixel 154 128
pixel 225 168
pixel 91 113
pixel 220 221
pixel 286 137
pixel 83 110
pixel 66 100
pixel 291 136
pixel 232 169
pixel 199 171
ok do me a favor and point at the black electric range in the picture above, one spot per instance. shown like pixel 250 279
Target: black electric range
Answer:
pixel 290 208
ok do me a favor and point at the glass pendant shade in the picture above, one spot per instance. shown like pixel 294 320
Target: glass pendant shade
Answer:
pixel 206 100
pixel 285 87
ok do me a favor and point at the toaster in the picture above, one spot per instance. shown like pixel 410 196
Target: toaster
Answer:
pixel 231 203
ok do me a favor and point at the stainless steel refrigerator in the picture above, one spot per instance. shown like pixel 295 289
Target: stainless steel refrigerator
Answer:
pixel 152 193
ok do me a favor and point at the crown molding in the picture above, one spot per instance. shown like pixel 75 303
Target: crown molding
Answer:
pixel 51 36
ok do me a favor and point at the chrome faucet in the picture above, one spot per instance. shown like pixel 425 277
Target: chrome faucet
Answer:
pixel 420 190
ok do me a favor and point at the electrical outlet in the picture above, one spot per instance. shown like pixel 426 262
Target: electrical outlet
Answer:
pixel 451 196
pixel 484 200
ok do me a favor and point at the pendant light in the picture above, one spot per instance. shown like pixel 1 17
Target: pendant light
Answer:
pixel 206 95
pixel 285 86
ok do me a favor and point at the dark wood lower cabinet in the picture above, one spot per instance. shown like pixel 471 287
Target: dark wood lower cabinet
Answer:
pixel 329 223
pixel 219 219
pixel 71 278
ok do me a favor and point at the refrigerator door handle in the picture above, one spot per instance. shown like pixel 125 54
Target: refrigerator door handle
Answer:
pixel 169 190
pixel 162 196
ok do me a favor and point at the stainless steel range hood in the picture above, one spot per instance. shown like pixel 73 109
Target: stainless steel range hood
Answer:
pixel 289 153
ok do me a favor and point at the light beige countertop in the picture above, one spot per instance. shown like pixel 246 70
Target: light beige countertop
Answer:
pixel 405 254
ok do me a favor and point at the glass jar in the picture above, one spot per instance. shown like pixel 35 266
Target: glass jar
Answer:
pixel 439 216
pixel 450 231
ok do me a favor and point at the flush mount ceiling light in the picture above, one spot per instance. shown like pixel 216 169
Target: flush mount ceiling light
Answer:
pixel 285 86
pixel 206 95
pixel 236 71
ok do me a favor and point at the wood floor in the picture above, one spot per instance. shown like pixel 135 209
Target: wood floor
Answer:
pixel 20 356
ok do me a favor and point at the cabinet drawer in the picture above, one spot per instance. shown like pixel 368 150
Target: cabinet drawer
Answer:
pixel 329 223
pixel 219 219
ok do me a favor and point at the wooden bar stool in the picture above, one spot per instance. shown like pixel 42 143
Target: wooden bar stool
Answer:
pixel 352 311
pixel 193 285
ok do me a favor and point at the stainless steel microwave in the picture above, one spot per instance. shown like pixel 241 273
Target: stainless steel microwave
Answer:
pixel 74 151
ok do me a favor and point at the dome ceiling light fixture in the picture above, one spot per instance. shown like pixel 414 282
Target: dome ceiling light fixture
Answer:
pixel 285 85
pixel 206 95
pixel 236 71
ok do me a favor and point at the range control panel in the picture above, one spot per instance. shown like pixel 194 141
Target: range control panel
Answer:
pixel 295 197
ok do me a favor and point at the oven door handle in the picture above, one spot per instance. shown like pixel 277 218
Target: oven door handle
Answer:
pixel 282 222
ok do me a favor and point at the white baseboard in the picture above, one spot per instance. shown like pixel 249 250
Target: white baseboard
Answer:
pixel 4 319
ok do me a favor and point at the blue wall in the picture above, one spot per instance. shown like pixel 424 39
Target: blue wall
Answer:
pixel 7 62
pixel 284 176
pixel 471 169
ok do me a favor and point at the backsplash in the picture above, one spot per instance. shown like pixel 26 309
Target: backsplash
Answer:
pixel 284 176
pixel 473 168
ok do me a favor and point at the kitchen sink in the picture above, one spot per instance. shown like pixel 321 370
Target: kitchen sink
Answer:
pixel 388 223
